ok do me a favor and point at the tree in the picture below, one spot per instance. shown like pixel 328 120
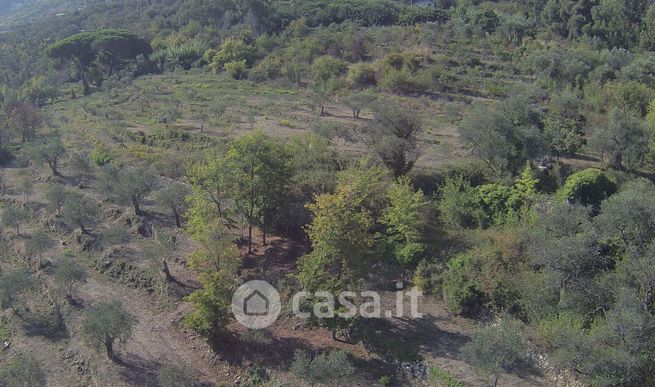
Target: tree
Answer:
pixel 109 47
pixel 79 211
pixel 113 46
pixel 133 185
pixel 260 170
pixel 67 274
pixel 216 263
pixel 405 218
pixel 325 73
pixel 56 197
pixel 173 197
pixel 48 151
pixel 107 323
pixel 23 119
pixel 38 244
pixel 15 286
pixel 624 140
pixel 564 136
pixel 358 101
pixel 14 216
pixel 393 137
pixel 78 49
pixel 493 349
pixel 341 232
pixel 23 371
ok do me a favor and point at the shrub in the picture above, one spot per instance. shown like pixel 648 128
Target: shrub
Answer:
pixel 442 378
pixel 101 156
pixel 588 187
pixel 236 69
pixel 461 290
pixel 361 75
pixel 327 368
pixel 428 277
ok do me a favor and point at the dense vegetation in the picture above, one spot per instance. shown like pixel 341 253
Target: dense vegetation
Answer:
pixel 497 155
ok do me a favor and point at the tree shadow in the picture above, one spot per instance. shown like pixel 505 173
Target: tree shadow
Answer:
pixel 138 370
pixel 49 325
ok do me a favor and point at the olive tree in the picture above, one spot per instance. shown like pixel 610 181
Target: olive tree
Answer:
pixel 13 216
pixel 48 151
pixel 107 323
pixel 494 348
pixel 79 211
pixel 393 137
pixel 173 197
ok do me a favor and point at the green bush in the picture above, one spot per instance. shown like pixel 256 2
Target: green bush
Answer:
pixel 361 75
pixel 442 378
pixel 588 187
pixel 428 277
pixel 101 156
pixel 461 289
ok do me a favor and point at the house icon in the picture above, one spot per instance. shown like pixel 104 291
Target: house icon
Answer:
pixel 256 304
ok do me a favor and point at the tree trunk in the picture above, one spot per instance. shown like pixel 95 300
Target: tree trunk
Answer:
pixel 178 224
pixel 249 237
pixel 82 228
pixel 82 75
pixel 17 229
pixel 109 346
pixel 495 380
pixel 137 208
pixel 166 271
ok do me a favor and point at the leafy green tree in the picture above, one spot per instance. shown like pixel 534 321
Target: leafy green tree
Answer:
pixel 405 218
pixel 494 348
pixel 79 211
pixel 14 216
pixel 341 232
pixel 40 90
pixel 325 74
pixel 358 101
pixel 260 167
pixel 393 137
pixel 216 262
pixel 23 371
pixel 173 197
pixel 107 323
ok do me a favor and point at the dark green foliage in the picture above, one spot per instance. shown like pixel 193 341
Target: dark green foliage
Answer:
pixel 13 216
pixel 588 187
pixel 110 47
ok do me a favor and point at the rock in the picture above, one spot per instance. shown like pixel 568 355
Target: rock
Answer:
pixel 6 345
